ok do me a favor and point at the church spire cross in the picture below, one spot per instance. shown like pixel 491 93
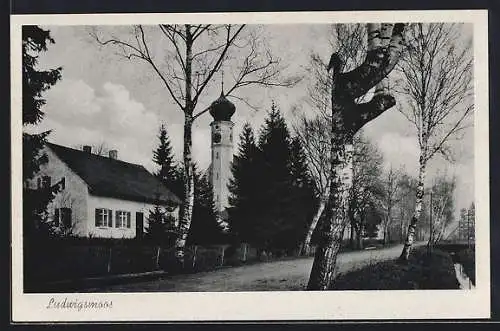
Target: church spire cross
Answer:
pixel 222 82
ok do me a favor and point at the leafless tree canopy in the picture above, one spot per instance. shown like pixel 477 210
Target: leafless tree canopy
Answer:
pixel 314 135
pixel 442 206
pixel 186 58
pixel 437 82
pixel 350 43
pixel 366 185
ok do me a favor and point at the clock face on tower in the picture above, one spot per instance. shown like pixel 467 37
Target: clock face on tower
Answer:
pixel 216 137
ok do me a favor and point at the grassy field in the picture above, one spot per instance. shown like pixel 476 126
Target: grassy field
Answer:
pixel 424 270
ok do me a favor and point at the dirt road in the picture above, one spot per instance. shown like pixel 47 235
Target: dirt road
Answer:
pixel 269 276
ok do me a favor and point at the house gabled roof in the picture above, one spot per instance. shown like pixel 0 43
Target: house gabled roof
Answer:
pixel 113 178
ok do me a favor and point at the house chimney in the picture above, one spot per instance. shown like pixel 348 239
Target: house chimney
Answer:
pixel 87 149
pixel 113 154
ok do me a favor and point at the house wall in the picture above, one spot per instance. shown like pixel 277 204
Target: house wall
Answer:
pixel 118 204
pixel 74 195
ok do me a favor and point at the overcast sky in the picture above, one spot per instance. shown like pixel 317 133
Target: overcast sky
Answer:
pixel 102 98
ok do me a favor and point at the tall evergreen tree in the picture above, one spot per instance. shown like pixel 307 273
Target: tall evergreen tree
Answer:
pixel 205 229
pixel 274 142
pixel 169 173
pixel 244 186
pixel 302 198
pixel 34 41
pixel 274 167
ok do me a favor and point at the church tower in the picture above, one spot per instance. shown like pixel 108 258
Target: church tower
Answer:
pixel 222 150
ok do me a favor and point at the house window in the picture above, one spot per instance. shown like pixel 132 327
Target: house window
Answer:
pixel 216 155
pixel 103 218
pixel 122 219
pixel 62 217
pixel 63 183
pixel 217 175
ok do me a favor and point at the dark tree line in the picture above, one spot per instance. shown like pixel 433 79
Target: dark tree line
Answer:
pixel 272 197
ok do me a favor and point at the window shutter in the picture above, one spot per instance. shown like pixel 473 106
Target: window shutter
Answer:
pixel 128 219
pixel 117 219
pixel 56 217
pixel 97 217
pixel 110 220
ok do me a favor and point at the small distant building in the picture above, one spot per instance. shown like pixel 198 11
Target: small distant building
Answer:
pixel 101 196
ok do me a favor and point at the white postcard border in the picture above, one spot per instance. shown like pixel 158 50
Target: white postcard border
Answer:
pixel 241 306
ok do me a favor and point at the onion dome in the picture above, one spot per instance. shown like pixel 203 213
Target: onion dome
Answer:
pixel 222 109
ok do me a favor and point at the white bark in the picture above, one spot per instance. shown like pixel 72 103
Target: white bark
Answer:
pixel 347 119
pixel 410 236
pixel 312 226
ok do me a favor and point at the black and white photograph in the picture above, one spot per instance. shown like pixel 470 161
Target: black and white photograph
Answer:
pixel 176 157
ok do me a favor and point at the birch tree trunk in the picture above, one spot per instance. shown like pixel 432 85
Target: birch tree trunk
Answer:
pixel 347 118
pixel 312 226
pixel 359 239
pixel 351 230
pixel 188 201
pixel 410 235
pixel 332 229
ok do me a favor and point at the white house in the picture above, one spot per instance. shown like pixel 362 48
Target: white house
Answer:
pixel 101 196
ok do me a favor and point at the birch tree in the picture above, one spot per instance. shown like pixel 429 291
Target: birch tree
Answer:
pixel 189 58
pixel 384 45
pixel 366 185
pixel 442 207
pixel 314 133
pixel 406 204
pixel 437 82
pixel 390 197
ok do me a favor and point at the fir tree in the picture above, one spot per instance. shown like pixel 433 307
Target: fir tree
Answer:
pixel 204 229
pixel 168 172
pixel 244 186
pixel 156 225
pixel 302 198
pixel 273 167
pixel 274 143
pixel 34 41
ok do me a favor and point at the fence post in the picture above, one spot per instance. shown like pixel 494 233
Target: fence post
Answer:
pixel 158 257
pixel 244 252
pixel 194 255
pixel 109 258
pixel 222 256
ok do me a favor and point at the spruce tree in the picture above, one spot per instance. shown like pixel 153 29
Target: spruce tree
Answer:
pixel 244 187
pixel 168 172
pixel 204 230
pixel 302 198
pixel 35 82
pixel 274 167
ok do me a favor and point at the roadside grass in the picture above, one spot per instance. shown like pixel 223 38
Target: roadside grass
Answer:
pixel 467 258
pixel 423 270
